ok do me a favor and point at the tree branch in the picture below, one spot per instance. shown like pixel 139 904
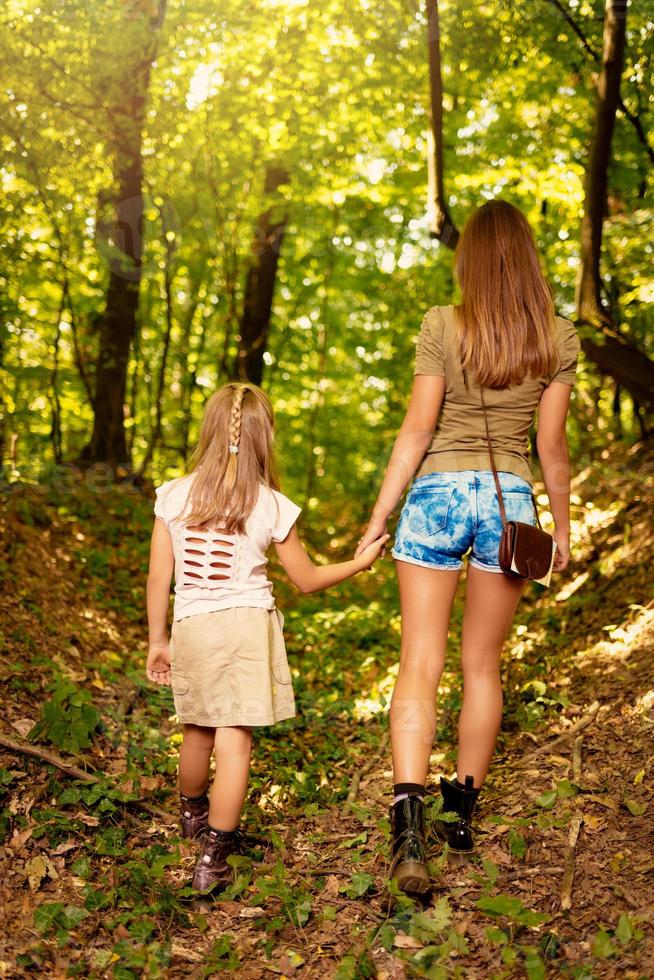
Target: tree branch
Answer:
pixel 69 769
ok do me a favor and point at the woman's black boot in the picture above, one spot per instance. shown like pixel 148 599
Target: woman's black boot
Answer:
pixel 409 861
pixel 460 800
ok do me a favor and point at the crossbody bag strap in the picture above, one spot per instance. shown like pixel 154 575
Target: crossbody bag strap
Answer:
pixel 495 476
pixel 492 461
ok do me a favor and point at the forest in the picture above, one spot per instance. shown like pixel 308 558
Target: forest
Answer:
pixel 272 191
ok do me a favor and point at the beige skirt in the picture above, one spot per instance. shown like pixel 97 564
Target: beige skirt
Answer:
pixel 229 668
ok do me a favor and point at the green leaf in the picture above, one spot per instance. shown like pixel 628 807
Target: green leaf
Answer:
pixel 223 955
pixel 359 839
pixel 110 842
pixel 427 926
pixel 602 945
pixel 360 882
pixel 47 915
pixel 81 867
pixel 635 808
pixel 496 936
pixel 548 799
pixel 534 965
pixel 299 911
pixel 624 931
pixel 517 844
pixel 565 789
pixel 512 908
pixel 532 919
pixel 95 899
pixel 500 905
pixel 448 816
pixel 347 968
pixel 491 870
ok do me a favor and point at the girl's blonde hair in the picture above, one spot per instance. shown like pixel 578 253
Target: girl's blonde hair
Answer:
pixel 506 314
pixel 233 457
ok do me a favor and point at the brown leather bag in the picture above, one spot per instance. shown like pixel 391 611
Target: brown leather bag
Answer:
pixel 525 550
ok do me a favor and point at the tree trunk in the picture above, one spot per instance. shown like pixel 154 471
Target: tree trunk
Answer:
pixel 260 285
pixel 589 303
pixel 55 401
pixel 124 248
pixel 630 367
pixel 155 435
pixel 441 225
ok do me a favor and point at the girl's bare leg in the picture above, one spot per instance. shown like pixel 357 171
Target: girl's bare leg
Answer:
pixel 233 747
pixel 194 759
pixel 426 596
pixel 490 604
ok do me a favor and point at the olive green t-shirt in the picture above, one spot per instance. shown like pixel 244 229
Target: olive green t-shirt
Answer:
pixel 459 441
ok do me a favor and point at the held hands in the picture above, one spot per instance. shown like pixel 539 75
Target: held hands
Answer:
pixel 368 553
pixel 157 667
pixel 376 529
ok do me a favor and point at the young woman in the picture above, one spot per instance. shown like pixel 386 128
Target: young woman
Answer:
pixel 505 337
pixel 226 659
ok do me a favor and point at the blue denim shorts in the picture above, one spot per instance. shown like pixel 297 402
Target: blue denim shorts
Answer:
pixel 449 515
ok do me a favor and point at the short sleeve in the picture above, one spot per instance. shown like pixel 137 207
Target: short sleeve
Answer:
pixel 285 514
pixel 160 509
pixel 569 347
pixel 430 349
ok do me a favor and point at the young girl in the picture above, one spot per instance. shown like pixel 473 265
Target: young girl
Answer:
pixel 506 339
pixel 226 659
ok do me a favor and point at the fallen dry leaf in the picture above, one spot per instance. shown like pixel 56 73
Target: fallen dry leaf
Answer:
pixel 186 954
pixel 36 870
pixel 19 838
pixel 402 941
pixel 23 726
pixel 66 846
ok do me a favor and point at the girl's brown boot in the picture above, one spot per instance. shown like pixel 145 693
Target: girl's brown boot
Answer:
pixel 212 870
pixel 194 815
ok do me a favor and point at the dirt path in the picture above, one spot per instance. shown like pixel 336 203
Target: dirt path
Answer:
pixel 93 886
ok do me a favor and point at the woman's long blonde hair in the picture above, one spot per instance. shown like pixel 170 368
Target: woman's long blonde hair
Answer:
pixel 233 457
pixel 506 315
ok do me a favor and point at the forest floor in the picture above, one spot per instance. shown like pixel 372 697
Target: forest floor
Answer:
pixel 94 876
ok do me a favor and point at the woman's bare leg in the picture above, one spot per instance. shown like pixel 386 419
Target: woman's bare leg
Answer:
pixel 426 596
pixel 490 605
pixel 194 759
pixel 233 748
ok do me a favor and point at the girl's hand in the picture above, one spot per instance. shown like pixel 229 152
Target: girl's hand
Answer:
pixel 375 530
pixel 157 668
pixel 562 555
pixel 371 552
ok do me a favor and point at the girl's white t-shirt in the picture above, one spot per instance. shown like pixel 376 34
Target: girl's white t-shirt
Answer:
pixel 215 570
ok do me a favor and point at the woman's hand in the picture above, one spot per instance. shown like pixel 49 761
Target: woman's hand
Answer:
pixel 157 668
pixel 375 530
pixel 562 555
pixel 371 552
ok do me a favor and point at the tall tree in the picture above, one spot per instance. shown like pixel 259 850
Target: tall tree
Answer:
pixel 123 232
pixel 613 355
pixel 260 283
pixel 441 225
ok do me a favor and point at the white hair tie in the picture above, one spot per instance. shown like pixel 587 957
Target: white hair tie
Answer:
pixel 233 450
